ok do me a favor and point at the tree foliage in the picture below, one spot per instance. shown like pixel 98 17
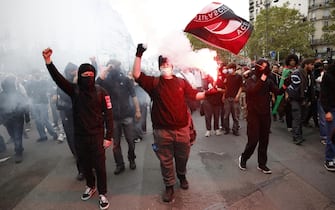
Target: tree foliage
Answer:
pixel 282 30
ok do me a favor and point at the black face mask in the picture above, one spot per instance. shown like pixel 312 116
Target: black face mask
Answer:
pixel 86 83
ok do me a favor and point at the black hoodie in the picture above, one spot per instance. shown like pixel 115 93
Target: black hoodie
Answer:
pixel 92 109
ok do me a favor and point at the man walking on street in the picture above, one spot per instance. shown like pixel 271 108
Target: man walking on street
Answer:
pixel 170 119
pixel 92 115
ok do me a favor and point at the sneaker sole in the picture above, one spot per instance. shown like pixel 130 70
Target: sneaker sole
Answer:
pixel 239 164
pixel 265 172
pixel 105 207
pixel 329 169
pixel 85 199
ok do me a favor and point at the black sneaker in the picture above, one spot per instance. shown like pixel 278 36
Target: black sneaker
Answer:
pixel 329 165
pixel 119 169
pixel 168 194
pixel 183 182
pixel 242 164
pixel 298 141
pixel 132 164
pixel 80 177
pixel 264 169
pixel 236 133
pixel 42 139
pixel 88 193
pixel 18 158
pixel 103 202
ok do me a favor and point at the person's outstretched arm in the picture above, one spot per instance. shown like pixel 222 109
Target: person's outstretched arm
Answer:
pixel 137 63
pixel 59 79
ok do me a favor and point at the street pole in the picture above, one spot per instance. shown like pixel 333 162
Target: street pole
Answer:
pixel 267 4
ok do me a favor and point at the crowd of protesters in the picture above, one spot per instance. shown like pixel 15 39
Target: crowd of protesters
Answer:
pixel 297 92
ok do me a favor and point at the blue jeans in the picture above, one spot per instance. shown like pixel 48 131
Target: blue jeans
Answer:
pixel 127 127
pixel 211 111
pixel 322 122
pixel 141 124
pixel 40 112
pixel 330 147
pixel 231 107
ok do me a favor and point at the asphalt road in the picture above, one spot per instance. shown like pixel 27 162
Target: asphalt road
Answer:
pixel 46 177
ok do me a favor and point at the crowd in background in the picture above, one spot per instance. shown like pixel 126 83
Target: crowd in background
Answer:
pixel 41 98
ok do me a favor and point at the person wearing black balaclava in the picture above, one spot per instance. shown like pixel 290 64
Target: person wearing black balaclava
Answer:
pixel 258 88
pixel 93 125
pixel 14 111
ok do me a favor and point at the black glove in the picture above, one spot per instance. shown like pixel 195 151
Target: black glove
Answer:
pixel 211 91
pixel 140 50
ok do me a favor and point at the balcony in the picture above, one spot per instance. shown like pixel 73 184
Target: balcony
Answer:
pixel 318 42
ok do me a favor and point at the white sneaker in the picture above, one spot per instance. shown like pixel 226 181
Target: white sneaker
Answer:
pixel 60 138
pixel 88 193
pixel 208 133
pixel 138 140
pixel 103 202
pixel 218 132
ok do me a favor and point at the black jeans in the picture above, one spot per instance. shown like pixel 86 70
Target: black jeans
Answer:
pixel 258 129
pixel 91 155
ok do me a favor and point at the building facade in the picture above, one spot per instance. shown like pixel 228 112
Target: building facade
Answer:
pixel 317 11
pixel 320 13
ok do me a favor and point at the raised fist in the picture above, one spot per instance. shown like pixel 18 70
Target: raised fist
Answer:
pixel 140 50
pixel 47 53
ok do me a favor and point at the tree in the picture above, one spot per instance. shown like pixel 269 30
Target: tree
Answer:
pixel 282 30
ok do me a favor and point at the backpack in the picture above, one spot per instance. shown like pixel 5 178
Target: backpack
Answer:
pixel 63 101
pixel 193 132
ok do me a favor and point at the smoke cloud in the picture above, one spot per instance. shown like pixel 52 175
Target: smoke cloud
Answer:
pixel 75 30
pixel 154 23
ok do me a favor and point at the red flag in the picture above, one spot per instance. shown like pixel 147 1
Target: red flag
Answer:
pixel 217 25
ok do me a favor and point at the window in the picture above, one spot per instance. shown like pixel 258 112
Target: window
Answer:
pixel 325 23
pixel 326 14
